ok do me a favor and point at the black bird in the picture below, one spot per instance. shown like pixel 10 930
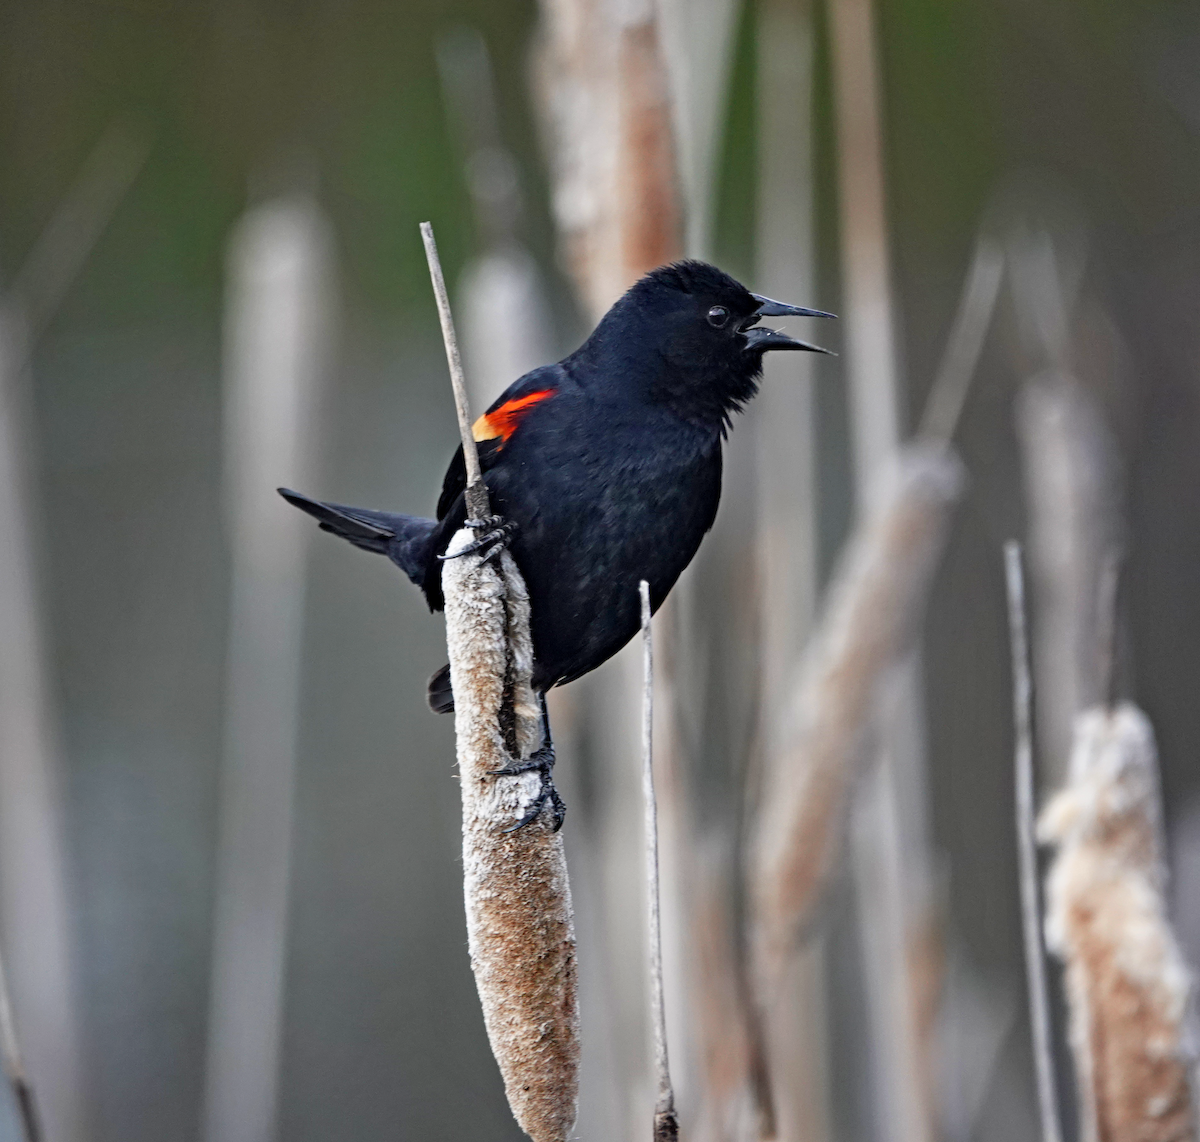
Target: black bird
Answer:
pixel 605 468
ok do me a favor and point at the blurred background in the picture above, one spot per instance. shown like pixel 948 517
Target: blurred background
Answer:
pixel 230 890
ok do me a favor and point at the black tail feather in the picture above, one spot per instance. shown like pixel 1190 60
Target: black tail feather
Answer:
pixel 439 693
pixel 404 539
pixel 350 523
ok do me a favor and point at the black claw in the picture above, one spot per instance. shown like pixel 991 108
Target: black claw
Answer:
pixel 497 533
pixel 547 793
pixel 541 761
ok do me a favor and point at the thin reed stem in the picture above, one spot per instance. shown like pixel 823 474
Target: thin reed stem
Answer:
pixel 944 405
pixel 1107 593
pixel 1031 915
pixel 14 1066
pixel 476 493
pixel 666 1122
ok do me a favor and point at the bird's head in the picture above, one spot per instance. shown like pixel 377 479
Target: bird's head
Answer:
pixel 689 335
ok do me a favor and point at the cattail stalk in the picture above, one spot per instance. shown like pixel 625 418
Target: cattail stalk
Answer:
pixel 518 900
pixel 1031 914
pixel 1126 980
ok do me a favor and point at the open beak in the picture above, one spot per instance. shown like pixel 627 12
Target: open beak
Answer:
pixel 769 308
pixel 761 338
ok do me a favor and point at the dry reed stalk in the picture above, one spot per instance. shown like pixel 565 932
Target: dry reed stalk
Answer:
pixel 14 1067
pixel 1127 984
pixel 62 249
pixel 779 428
pixel 1073 508
pixel 518 899
pixel 1072 492
pixel 666 1121
pixel 278 331
pixel 1031 913
pixel 891 857
pixel 34 900
pixel 726 1107
pixel 649 204
pixel 868 622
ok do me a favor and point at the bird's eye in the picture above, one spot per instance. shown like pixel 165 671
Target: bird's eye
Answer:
pixel 718 315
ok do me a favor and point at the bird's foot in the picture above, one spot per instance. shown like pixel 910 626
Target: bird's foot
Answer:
pixel 494 533
pixel 542 762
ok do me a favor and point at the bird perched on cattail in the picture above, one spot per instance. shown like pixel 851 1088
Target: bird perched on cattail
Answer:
pixel 604 469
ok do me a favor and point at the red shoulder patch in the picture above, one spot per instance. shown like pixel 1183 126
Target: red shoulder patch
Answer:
pixel 502 422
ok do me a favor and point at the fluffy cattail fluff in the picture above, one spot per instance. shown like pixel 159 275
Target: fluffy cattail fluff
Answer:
pixel 866 625
pixel 519 925
pixel 1127 984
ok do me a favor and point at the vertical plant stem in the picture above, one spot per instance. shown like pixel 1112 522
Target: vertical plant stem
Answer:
pixel 794 1036
pixel 476 494
pixel 1031 914
pixel 278 338
pixel 891 854
pixel 14 1066
pixel 976 305
pixel 666 1122
pixel 1107 593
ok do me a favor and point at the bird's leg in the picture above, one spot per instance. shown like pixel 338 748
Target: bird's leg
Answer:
pixel 540 761
pixel 496 534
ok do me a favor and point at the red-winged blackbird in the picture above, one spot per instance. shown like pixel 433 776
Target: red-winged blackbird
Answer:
pixel 605 468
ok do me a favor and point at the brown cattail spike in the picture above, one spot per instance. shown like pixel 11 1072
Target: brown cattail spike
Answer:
pixel 1127 984
pixel 519 924
pixel 520 930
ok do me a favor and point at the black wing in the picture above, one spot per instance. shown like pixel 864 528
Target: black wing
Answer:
pixel 545 379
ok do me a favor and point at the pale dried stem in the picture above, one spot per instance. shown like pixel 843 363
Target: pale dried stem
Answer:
pixel 1031 913
pixel 1106 918
pixel 520 930
pixel 277 335
pixel 1073 501
pixel 1107 619
pixel 666 1123
pixel 961 355
pixel 14 1066
pixel 650 207
pixel 476 492
pixel 1072 511
pixel 79 220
